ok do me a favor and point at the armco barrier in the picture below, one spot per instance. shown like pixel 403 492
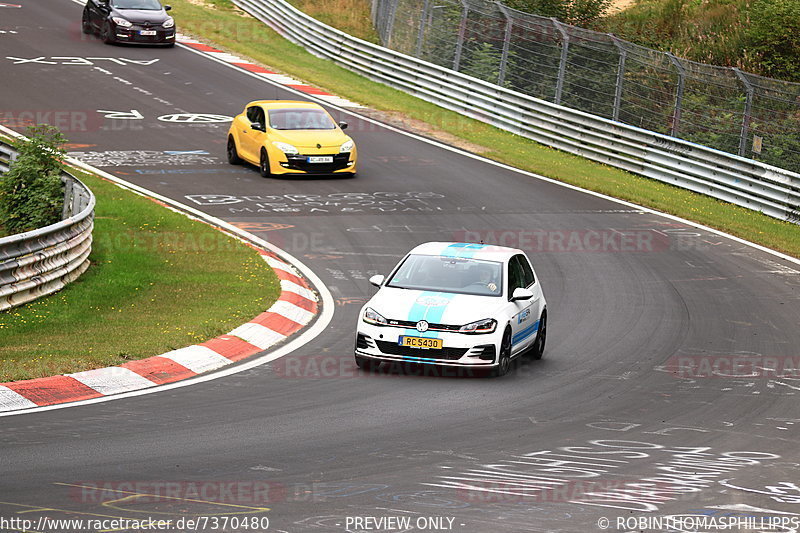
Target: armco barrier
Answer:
pixel 42 261
pixel 770 190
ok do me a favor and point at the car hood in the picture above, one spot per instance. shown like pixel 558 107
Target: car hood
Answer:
pixel 310 138
pixel 434 307
pixel 142 15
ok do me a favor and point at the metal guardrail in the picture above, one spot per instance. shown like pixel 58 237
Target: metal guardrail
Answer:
pixel 43 261
pixel 731 178
pixel 598 73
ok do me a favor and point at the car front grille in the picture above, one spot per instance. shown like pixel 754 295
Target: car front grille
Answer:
pixel 445 354
pixel 431 327
pixel 300 162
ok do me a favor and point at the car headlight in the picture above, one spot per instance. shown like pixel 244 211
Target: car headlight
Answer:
pixel 286 148
pixel 347 147
pixel 373 317
pixel 119 21
pixel 170 22
pixel 487 325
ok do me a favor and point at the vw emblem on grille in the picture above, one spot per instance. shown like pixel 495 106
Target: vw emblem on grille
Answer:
pixel 422 326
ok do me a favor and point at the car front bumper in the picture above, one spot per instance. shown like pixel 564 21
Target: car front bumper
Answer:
pixel 459 350
pixel 133 35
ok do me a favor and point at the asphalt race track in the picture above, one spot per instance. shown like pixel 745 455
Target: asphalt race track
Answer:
pixel 610 420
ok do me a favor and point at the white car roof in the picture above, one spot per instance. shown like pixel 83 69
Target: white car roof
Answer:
pixel 488 252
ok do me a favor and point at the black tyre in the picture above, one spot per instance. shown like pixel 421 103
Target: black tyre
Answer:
pixel 86 26
pixel 504 358
pixel 541 337
pixel 106 34
pixel 263 166
pixel 233 154
pixel 367 364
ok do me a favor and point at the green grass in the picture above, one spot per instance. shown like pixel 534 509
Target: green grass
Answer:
pixel 230 29
pixel 157 281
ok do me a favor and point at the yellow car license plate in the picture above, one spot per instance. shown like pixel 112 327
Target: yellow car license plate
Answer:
pixel 419 342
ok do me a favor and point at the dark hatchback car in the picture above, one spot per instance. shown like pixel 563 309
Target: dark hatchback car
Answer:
pixel 129 21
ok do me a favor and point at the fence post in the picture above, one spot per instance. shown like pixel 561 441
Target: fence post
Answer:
pixel 422 22
pixel 506 43
pixel 462 30
pixel 748 108
pixel 623 54
pixel 676 120
pixel 562 67
pixel 390 22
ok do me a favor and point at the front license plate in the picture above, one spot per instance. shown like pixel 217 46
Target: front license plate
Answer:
pixel 147 32
pixel 320 159
pixel 419 342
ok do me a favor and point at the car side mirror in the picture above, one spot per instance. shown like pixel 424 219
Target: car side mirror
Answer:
pixel 377 280
pixel 343 125
pixel 521 294
pixel 167 8
pixel 257 126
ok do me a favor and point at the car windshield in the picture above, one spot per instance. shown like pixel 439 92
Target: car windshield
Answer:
pixel 300 119
pixel 449 274
pixel 136 4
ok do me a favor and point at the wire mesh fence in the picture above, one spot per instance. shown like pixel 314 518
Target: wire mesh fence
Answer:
pixel 719 107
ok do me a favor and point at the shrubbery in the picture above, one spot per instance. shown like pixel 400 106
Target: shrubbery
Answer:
pixel 31 193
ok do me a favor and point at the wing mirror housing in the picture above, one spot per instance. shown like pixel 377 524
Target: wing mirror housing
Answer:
pixel 521 294
pixel 343 125
pixel 167 8
pixel 258 126
pixel 377 280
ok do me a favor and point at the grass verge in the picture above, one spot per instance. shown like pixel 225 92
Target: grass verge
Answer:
pixel 158 281
pixel 231 29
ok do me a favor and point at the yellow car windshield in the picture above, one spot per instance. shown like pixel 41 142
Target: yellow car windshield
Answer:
pixel 300 119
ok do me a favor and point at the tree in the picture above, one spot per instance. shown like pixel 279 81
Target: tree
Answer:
pixel 31 194
pixel 774 37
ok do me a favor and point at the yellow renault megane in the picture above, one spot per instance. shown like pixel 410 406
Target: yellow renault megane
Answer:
pixel 288 137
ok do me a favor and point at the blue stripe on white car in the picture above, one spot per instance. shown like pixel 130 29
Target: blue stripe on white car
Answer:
pixel 525 333
pixel 430 313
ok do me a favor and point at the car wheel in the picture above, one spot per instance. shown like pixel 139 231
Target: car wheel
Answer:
pixel 504 359
pixel 106 34
pixel 86 26
pixel 263 166
pixel 367 364
pixel 233 154
pixel 541 337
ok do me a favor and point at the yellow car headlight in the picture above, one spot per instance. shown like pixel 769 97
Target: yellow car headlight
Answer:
pixel 347 147
pixel 286 148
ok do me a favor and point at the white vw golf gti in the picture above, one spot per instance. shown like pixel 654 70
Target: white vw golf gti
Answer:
pixel 457 305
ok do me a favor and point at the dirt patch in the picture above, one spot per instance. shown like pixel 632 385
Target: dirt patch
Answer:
pixel 617 6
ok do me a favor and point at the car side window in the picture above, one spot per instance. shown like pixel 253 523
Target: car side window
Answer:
pixel 528 278
pixel 514 276
pixel 255 114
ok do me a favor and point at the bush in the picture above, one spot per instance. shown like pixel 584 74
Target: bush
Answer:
pixel 774 36
pixel 31 193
